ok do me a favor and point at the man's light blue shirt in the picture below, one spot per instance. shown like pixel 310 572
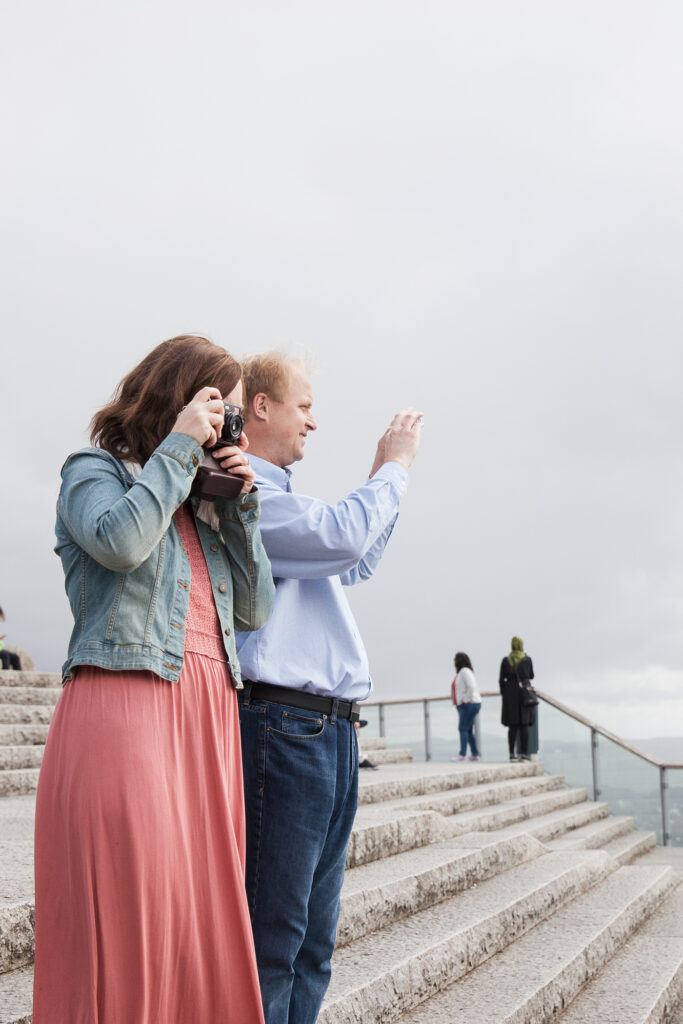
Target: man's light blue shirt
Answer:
pixel 311 641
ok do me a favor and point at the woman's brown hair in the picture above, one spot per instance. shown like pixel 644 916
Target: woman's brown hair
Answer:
pixel 146 403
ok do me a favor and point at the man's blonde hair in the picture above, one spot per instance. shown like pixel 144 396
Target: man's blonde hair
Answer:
pixel 271 374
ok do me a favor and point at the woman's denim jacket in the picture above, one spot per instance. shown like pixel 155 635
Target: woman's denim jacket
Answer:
pixel 127 571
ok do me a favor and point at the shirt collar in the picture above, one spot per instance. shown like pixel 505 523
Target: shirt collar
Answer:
pixel 269 471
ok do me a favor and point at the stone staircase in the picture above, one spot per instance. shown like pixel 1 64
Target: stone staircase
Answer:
pixel 27 700
pixel 478 893
pixel 493 893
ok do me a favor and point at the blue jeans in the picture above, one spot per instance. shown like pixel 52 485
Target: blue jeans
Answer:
pixel 300 793
pixel 466 716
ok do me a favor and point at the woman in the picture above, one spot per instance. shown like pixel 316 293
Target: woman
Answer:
pixel 516 672
pixel 467 698
pixel 141 914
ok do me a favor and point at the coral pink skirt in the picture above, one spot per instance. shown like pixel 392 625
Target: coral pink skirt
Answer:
pixel 141 913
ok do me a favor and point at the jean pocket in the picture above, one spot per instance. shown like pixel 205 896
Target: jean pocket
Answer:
pixel 250 708
pixel 299 725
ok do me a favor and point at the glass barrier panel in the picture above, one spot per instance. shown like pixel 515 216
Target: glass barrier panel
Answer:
pixel 371 715
pixel 492 736
pixel 404 728
pixel 443 721
pixel 565 747
pixel 630 786
pixel 675 800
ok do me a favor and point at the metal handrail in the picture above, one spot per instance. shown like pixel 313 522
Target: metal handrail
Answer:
pixel 595 731
pixel 554 703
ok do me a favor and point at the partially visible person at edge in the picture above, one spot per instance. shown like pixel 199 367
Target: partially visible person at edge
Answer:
pixel 304 672
pixel 141 913
pixel 466 697
pixel 516 672
pixel 363 761
pixel 8 659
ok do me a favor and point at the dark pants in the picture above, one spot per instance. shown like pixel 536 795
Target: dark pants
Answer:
pixel 466 716
pixel 10 660
pixel 300 793
pixel 523 732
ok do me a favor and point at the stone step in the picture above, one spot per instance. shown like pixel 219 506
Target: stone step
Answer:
pixel 633 844
pixel 29 694
pixel 11 678
pixel 16 824
pixel 16 883
pixel 21 757
pixel 469 798
pixel 536 977
pixel 671 855
pixel 510 812
pixel 385 891
pixel 403 780
pixel 25 714
pixel 15 781
pixel 16 996
pixel 16 850
pixel 18 734
pixel 17 935
pixel 556 823
pixel 643 982
pixel 393 834
pixel 393 756
pixel 388 973
pixel 372 742
pixel 593 836
pixel 383 830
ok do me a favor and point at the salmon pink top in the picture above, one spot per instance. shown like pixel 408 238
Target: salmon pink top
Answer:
pixel 202 628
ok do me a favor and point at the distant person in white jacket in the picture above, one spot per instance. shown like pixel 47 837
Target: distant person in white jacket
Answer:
pixel 467 700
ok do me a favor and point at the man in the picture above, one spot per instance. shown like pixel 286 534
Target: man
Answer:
pixel 303 673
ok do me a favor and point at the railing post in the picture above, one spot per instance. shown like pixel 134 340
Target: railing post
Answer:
pixel 477 734
pixel 428 732
pixel 663 797
pixel 382 728
pixel 594 758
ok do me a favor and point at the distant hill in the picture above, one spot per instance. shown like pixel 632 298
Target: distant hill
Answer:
pixel 664 748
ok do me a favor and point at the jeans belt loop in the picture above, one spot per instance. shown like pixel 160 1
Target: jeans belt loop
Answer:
pixel 245 696
pixel 334 711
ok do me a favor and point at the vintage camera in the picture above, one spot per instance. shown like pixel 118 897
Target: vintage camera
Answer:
pixel 211 481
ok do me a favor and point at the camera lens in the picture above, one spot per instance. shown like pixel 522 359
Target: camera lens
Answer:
pixel 232 425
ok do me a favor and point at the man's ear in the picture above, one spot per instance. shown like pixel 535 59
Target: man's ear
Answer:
pixel 260 406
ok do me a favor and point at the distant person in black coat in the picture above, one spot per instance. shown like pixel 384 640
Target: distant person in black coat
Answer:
pixel 516 672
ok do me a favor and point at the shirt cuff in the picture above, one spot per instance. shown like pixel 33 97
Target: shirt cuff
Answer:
pixel 394 474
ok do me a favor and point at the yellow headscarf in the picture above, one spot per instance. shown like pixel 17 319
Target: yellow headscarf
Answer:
pixel 517 653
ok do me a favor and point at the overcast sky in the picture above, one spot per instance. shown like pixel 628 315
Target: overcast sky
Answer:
pixel 476 209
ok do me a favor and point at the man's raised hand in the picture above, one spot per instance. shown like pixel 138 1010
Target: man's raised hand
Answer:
pixel 400 441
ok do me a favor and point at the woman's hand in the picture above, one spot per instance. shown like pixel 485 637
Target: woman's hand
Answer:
pixel 236 462
pixel 203 417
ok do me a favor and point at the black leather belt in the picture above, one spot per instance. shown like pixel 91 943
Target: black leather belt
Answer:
pixel 298 699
